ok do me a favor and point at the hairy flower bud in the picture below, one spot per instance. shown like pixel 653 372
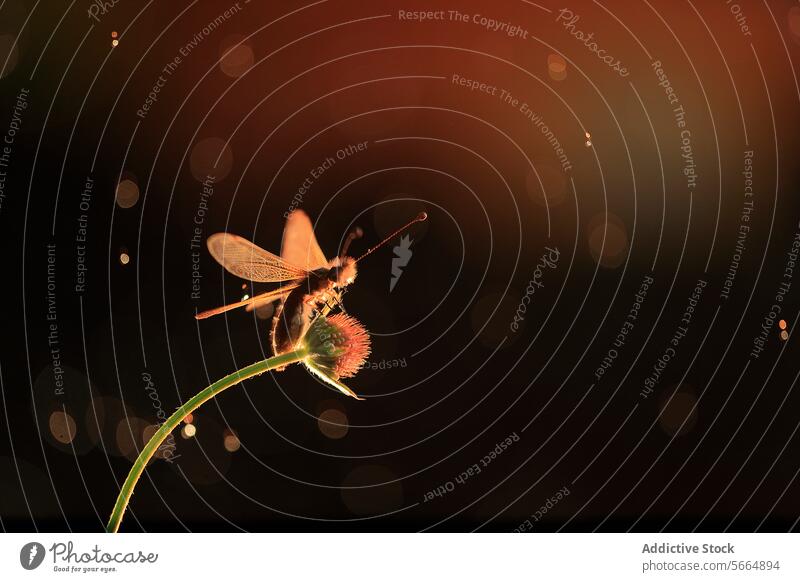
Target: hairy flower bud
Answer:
pixel 337 348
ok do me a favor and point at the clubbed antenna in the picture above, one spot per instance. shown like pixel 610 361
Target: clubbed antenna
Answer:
pixel 420 218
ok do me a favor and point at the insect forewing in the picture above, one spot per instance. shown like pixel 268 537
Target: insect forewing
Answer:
pixel 299 246
pixel 248 261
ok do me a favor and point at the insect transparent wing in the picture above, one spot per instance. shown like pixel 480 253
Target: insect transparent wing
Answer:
pixel 258 300
pixel 300 246
pixel 248 261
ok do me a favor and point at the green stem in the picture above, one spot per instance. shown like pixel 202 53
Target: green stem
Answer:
pixel 173 421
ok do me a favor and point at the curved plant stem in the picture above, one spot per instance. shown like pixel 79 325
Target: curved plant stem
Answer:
pixel 173 421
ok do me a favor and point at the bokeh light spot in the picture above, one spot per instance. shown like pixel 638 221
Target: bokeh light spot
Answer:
pixel 556 67
pixel 127 193
pixel 333 423
pixel 130 436
pixel 211 157
pixel 62 427
pixel 231 441
pixel 608 240
pixel 236 56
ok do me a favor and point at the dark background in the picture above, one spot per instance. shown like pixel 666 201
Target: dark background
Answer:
pixel 713 447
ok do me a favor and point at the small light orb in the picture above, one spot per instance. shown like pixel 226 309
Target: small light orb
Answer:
pixel 236 56
pixel 188 431
pixel 149 431
pixel 333 423
pixel 211 160
pixel 130 431
pixel 231 441
pixel 127 193
pixel 62 427
pixel 556 67
pixel 608 240
pixel 124 258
